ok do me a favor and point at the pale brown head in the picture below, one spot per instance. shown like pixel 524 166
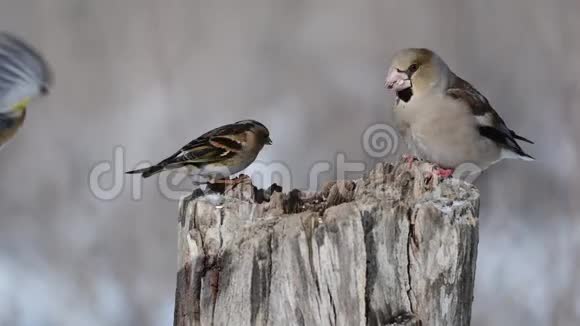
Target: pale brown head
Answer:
pixel 258 129
pixel 415 72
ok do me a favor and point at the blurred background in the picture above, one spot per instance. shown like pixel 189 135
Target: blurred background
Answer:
pixel 150 75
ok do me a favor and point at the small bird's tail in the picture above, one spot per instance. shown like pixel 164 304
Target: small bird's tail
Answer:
pixel 147 172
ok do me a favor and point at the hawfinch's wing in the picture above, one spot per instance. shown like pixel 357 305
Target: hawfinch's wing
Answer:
pixel 490 124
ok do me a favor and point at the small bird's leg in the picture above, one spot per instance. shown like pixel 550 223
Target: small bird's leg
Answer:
pixel 240 179
pixel 197 189
pixel 198 181
pixel 222 181
pixel 228 181
pixel 196 184
pixel 444 173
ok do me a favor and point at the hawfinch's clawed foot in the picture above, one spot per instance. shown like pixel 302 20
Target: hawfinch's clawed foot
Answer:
pixel 443 173
pixel 409 159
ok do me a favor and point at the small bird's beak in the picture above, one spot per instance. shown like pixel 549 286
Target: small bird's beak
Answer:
pixel 44 90
pixel 268 141
pixel 397 80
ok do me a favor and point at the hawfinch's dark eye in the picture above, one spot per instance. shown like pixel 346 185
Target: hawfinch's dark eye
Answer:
pixel 413 68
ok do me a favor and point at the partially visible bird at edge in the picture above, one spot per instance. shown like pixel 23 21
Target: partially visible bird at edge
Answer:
pixel 24 76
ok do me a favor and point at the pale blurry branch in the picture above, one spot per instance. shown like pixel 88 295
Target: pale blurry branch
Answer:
pixel 388 249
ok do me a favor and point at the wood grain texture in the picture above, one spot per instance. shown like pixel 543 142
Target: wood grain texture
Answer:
pixel 392 248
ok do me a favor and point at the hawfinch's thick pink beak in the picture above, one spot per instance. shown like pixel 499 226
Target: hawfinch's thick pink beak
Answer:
pixel 397 80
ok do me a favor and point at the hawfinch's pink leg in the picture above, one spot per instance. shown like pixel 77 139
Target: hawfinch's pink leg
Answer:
pixel 409 159
pixel 444 173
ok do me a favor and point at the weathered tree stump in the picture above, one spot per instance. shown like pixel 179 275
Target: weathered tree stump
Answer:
pixel 392 248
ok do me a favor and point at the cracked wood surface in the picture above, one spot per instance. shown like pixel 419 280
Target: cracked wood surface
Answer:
pixel 392 248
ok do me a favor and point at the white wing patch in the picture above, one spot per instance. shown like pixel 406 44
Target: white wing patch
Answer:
pixel 485 120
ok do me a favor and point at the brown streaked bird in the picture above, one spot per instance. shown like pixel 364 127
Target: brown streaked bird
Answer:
pixel 218 153
pixel 443 118
pixel 24 76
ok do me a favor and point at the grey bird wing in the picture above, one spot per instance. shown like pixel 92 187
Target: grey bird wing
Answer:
pixel 490 124
pixel 24 74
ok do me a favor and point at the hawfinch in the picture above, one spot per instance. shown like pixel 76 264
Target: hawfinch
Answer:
pixel 443 118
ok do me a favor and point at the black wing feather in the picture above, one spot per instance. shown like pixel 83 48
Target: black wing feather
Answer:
pixel 502 139
pixel 497 129
pixel 522 138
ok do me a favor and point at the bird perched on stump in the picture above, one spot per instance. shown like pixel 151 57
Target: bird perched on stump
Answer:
pixel 443 118
pixel 24 76
pixel 218 153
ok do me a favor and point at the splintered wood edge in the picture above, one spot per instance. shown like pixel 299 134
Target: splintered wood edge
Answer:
pixel 423 187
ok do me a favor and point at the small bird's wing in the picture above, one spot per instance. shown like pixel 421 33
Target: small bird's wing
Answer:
pixel 24 74
pixel 214 146
pixel 208 151
pixel 490 124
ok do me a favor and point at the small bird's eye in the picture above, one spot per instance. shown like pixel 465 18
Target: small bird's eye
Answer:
pixel 413 68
